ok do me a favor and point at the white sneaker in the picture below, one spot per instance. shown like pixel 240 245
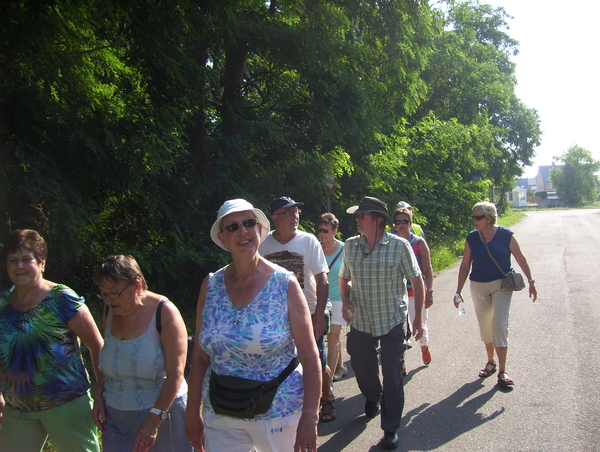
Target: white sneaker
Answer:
pixel 340 373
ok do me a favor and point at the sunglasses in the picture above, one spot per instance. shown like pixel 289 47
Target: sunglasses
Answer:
pixel 478 217
pixel 248 223
pixel 397 222
pixel 323 231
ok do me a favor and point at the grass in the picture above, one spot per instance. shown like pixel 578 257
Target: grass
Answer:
pixel 444 253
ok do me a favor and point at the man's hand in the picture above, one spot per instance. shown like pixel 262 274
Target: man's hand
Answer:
pixel 319 325
pixel 348 311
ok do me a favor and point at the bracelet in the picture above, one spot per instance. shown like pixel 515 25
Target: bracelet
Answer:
pixel 532 280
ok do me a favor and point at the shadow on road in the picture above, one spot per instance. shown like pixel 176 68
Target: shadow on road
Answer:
pixel 426 427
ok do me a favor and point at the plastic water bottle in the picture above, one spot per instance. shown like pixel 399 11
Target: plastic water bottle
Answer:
pixel 461 304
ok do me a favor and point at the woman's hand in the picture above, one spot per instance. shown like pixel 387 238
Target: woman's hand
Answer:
pixel 455 301
pixel 99 411
pixel 306 434
pixel 194 428
pixel 1 405
pixel 428 300
pixel 532 291
pixel 146 434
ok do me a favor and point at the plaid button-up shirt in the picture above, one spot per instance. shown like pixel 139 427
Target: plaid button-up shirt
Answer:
pixel 378 281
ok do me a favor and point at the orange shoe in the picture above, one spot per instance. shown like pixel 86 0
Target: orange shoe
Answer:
pixel 426 356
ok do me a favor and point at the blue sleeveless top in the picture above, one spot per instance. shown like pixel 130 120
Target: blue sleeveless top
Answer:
pixel 255 342
pixel 483 268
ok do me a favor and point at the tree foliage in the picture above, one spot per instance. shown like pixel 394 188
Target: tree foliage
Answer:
pixel 124 125
pixel 576 182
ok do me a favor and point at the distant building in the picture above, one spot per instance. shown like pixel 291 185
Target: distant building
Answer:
pixel 542 180
pixel 526 183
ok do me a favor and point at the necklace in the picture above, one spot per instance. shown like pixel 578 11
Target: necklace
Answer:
pixel 132 323
pixel 329 247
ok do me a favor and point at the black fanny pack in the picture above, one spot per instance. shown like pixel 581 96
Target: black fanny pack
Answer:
pixel 244 398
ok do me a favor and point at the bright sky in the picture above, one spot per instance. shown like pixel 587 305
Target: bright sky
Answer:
pixel 557 71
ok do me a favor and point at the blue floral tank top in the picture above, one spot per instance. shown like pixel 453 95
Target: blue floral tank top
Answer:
pixel 255 342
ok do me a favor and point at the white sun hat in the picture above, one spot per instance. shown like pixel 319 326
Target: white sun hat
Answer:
pixel 238 205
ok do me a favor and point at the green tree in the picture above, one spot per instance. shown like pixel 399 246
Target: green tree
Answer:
pixel 124 125
pixel 576 182
pixel 471 78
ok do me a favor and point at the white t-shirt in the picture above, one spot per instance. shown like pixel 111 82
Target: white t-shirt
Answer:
pixel 303 255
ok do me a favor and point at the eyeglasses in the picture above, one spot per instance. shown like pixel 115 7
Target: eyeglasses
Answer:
pixel 323 231
pixel 248 223
pixel 397 222
pixel 112 295
pixel 478 217
pixel 288 212
pixel 362 215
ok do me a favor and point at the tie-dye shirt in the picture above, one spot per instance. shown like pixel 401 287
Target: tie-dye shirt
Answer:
pixel 40 360
pixel 255 342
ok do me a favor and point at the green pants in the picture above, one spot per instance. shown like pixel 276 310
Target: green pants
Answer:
pixel 70 427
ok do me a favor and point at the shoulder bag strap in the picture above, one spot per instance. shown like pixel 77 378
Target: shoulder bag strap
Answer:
pixel 288 370
pixel 336 258
pixel 490 253
pixel 158 309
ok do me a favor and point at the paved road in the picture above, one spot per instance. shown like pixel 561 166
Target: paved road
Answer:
pixel 553 358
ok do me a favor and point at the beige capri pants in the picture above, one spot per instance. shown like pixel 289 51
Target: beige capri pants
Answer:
pixel 492 305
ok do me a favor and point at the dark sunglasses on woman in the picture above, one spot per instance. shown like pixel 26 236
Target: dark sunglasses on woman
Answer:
pixel 248 223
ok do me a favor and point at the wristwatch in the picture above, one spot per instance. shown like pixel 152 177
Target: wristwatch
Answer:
pixel 160 413
pixel 430 289
pixel 532 280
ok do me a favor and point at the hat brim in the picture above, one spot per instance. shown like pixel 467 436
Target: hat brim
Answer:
pixel 356 209
pixel 285 206
pixel 260 216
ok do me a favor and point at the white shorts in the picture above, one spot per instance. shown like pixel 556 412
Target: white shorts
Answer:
pixel 227 434
pixel 336 313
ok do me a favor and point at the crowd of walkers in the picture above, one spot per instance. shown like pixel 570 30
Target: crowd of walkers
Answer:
pixel 266 348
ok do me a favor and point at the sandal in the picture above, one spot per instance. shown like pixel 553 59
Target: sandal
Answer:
pixel 504 380
pixel 329 414
pixel 485 372
pixel 426 355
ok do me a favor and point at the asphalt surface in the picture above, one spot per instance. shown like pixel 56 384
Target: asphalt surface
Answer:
pixel 553 357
